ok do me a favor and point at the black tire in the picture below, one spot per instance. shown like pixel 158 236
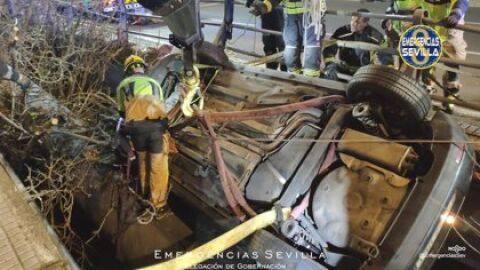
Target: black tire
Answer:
pixel 403 100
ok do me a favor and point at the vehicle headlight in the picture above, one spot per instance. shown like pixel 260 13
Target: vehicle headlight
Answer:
pixel 448 218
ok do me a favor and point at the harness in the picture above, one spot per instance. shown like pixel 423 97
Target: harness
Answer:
pixel 129 89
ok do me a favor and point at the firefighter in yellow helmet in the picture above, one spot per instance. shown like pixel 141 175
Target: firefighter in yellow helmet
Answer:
pixel 141 102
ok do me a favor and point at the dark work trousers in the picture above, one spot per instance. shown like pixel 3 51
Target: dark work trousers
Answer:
pixel 152 152
pixel 271 43
pixel 146 135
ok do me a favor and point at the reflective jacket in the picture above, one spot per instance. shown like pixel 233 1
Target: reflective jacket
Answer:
pixel 290 7
pixel 405 7
pixel 140 97
pixel 440 9
pixel 293 7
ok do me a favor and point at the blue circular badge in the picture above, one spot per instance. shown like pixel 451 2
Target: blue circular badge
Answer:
pixel 420 47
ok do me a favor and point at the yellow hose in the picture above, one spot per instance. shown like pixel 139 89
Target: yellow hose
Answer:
pixel 221 243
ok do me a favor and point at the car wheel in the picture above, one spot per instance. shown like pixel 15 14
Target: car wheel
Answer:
pixel 402 99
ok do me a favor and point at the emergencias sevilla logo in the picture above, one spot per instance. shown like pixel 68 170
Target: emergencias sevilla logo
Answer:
pixel 420 47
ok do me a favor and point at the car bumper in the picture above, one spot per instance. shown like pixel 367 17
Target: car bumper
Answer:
pixel 419 230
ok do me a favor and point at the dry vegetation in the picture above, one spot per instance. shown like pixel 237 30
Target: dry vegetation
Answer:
pixel 54 154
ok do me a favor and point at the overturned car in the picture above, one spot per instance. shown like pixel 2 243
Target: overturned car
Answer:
pixel 368 168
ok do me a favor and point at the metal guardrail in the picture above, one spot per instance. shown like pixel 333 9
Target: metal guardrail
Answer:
pixel 392 51
pixel 145 15
pixel 473 3
pixel 101 15
pixel 242 26
pixel 468 27
pixel 147 35
pixel 351 44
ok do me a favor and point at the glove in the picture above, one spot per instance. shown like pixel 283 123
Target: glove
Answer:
pixel 331 71
pixel 454 18
pixel 387 24
pixel 258 8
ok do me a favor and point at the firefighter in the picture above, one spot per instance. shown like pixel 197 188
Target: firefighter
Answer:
pixel 140 102
pixel 396 28
pixel 349 59
pixel 271 43
pixel 450 13
pixel 295 34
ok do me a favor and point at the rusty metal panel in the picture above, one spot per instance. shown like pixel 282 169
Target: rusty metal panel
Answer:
pixel 394 156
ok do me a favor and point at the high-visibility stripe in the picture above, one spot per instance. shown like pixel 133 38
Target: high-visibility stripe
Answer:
pixel 294 7
pixel 294 11
pixel 329 60
pixel 405 6
pixel 136 86
pixel 311 72
pixel 295 70
pixel 438 10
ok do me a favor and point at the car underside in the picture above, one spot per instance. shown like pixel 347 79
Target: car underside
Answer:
pixel 368 173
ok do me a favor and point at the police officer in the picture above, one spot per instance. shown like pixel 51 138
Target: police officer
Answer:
pixel 349 59
pixel 450 13
pixel 295 35
pixel 140 101
pixel 272 43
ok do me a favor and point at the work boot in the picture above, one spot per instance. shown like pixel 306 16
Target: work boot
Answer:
pixel 452 88
pixel 447 106
pixel 295 70
pixel 429 86
pixel 428 82
pixel 313 73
